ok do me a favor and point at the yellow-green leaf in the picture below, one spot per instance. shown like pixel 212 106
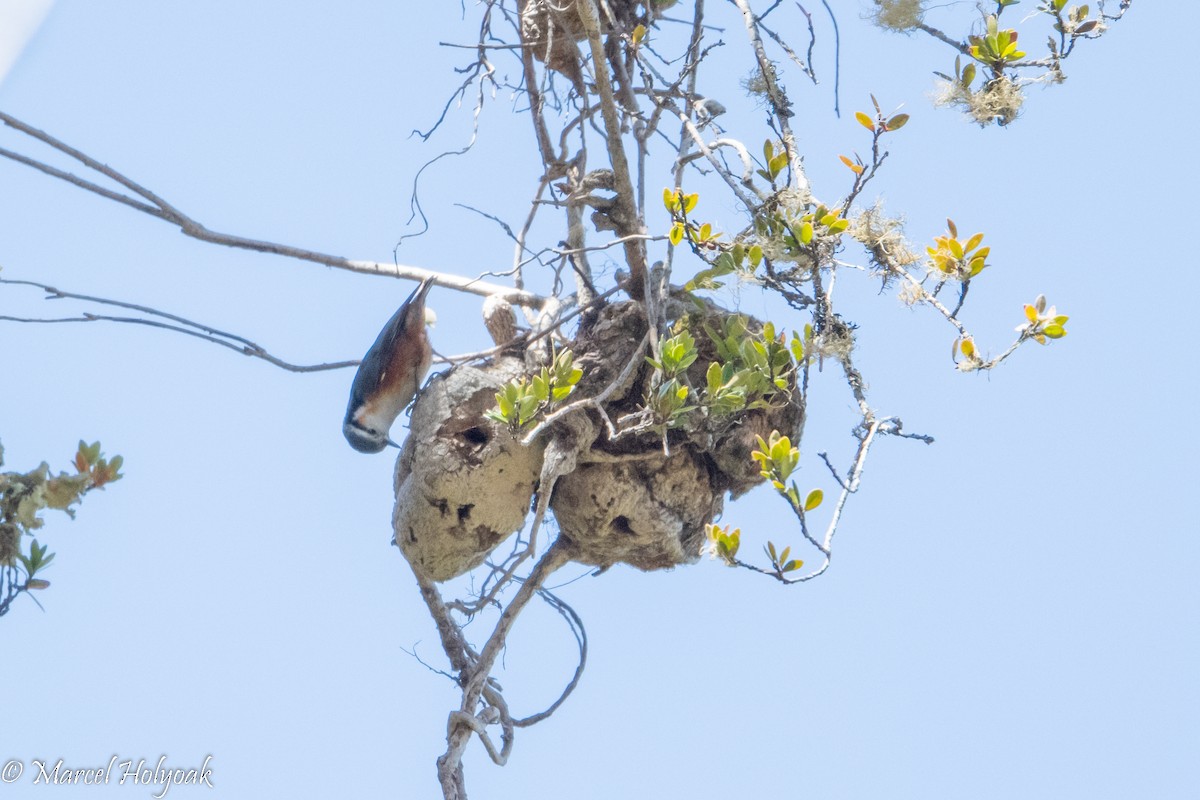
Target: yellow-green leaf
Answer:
pixel 814 499
pixel 776 165
pixel 639 33
pixel 756 255
pixel 676 234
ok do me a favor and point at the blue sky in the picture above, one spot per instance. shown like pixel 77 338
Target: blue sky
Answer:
pixel 1011 612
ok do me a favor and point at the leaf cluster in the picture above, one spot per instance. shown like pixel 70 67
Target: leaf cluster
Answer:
pixel 778 459
pixel 750 369
pixel 522 400
pixel 960 260
pixel 997 47
pixel 1043 323
pixel 24 496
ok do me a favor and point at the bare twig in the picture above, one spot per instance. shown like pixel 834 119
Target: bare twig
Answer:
pixel 187 327
pixel 624 212
pixel 778 98
pixel 459 730
pixel 576 624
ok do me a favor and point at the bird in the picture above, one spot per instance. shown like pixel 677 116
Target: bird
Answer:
pixel 389 375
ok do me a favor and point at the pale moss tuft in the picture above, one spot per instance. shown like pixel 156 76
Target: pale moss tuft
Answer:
pixel 898 15
pixel 755 83
pixel 836 342
pixel 883 236
pixel 911 294
pixel 999 100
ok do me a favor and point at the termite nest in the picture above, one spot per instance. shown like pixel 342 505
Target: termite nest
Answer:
pixel 465 483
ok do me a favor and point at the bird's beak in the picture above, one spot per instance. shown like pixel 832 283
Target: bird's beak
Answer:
pixel 393 444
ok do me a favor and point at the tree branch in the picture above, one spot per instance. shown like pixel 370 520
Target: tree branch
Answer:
pixel 161 209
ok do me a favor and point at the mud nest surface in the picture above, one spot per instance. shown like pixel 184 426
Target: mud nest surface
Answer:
pixel 464 484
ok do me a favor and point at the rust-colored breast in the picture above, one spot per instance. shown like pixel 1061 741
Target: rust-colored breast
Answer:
pixel 410 360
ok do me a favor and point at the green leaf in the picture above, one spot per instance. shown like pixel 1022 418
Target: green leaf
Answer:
pixel 776 164
pixel 676 234
pixel 528 407
pixel 724 264
pixel 714 377
pixel 897 122
pixel 813 500
pixel 797 348
pixel 968 75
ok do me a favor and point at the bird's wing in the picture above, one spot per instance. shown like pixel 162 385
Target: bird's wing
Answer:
pixel 377 360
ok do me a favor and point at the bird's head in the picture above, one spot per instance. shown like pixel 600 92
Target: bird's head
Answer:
pixel 365 439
